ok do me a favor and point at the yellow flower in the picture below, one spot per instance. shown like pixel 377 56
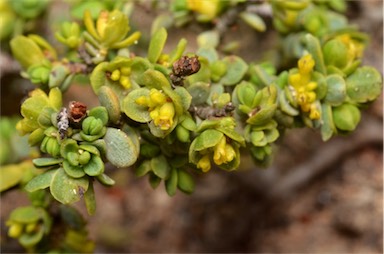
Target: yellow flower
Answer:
pixel 223 152
pixel 209 8
pixel 157 98
pixel 304 87
pixel 355 48
pixel 164 118
pixel 204 163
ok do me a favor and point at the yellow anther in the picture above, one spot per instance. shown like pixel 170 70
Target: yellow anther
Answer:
pixel 142 101
pixel 115 75
pixel 157 97
pixel 315 113
pixel 125 82
pixel 220 155
pixel 311 86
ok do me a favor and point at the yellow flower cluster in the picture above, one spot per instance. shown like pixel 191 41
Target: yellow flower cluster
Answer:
pixel 355 48
pixel 222 153
pixel 208 8
pixel 160 107
pixel 304 87
pixel 122 75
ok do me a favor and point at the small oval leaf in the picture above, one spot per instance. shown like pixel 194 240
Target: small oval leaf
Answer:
pixel 120 149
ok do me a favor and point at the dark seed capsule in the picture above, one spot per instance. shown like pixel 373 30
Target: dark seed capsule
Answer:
pixel 62 123
pixel 77 111
pixel 184 67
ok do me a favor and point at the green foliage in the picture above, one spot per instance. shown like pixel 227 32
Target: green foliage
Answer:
pixel 171 115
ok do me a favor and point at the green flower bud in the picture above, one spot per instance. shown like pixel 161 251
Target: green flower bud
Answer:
pixel 182 134
pixel 84 157
pixel 69 34
pixel 92 125
pixel 51 146
pixel 335 53
pixel 346 117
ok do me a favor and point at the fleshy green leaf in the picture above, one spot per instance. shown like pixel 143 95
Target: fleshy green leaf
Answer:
pixel 171 183
pixel 90 200
pixel 133 110
pixel 73 171
pixel 41 181
pixel 105 180
pixel 160 167
pixel 153 79
pixel 253 20
pixel 46 162
pixel 336 90
pixel 185 182
pixel 209 138
pixel 121 150
pixel 157 44
pixel 236 69
pixel 94 167
pixel 110 101
pixel 365 84
pixel 66 189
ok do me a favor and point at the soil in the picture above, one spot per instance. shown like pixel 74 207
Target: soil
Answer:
pixel 338 209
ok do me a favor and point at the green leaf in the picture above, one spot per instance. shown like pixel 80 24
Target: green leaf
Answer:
pixel 185 97
pixel 110 101
pixel 90 148
pixel 41 181
pixel 313 46
pixel 262 116
pixel 185 182
pixel 154 181
pixel 105 180
pixel 160 167
pixel 121 150
pixel 253 20
pixel 171 183
pixel 26 51
pixel 25 215
pixel 346 117
pixel 365 84
pixel 46 162
pixel 328 127
pixel 143 169
pixel 66 189
pixel 236 69
pixel 99 113
pixel 199 92
pixel 153 79
pixel 30 240
pixel 209 138
pixel 157 44
pixel 73 171
pixel 90 200
pixel 98 78
pixel 336 90
pixel 133 110
pixel 95 166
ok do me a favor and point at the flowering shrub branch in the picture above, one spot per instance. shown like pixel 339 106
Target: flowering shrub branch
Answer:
pixel 171 115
